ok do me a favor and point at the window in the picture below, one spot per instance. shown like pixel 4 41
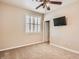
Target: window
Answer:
pixel 32 24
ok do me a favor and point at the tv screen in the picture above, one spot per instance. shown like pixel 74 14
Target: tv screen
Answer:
pixel 60 21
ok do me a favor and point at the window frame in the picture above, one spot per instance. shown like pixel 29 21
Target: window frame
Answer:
pixel 30 24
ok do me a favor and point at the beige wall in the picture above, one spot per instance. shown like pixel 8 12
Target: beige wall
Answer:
pixel 12 32
pixel 66 36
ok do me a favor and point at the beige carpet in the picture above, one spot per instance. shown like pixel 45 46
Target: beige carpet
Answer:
pixel 38 51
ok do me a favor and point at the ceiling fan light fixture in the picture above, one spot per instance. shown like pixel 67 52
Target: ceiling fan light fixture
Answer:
pixel 46 3
pixel 48 8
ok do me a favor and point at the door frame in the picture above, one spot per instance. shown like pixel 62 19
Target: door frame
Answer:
pixel 47 25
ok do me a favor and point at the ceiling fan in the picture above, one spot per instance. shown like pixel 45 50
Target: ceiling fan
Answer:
pixel 45 2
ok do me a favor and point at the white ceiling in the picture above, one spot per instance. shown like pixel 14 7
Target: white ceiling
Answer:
pixel 31 5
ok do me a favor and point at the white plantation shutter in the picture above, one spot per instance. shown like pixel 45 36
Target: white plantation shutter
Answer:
pixel 39 24
pixel 32 24
pixel 39 20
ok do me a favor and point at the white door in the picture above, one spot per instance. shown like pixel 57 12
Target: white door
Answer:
pixel 47 30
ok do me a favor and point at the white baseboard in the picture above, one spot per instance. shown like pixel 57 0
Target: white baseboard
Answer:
pixel 20 46
pixel 67 49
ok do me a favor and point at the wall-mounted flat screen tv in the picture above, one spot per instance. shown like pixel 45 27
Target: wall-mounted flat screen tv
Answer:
pixel 60 21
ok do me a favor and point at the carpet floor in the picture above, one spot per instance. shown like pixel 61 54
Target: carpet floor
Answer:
pixel 38 51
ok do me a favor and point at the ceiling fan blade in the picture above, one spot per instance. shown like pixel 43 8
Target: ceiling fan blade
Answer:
pixel 40 5
pixel 39 0
pixel 55 2
pixel 44 5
